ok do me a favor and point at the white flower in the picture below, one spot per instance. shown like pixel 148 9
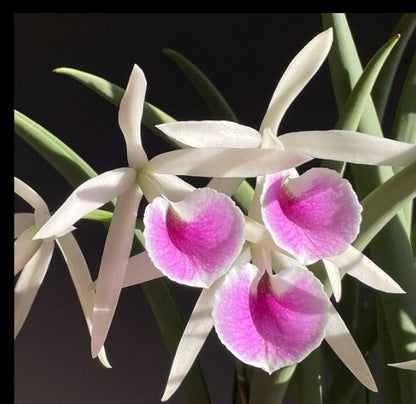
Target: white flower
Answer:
pixel 129 183
pixel 32 258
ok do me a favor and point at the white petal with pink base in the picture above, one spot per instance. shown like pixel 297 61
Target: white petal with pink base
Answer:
pixel 274 323
pixel 313 216
pixel 196 240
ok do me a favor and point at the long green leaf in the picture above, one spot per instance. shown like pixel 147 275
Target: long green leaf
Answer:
pixel 355 104
pixel 215 102
pixel 74 169
pixel 404 128
pixel 390 385
pixel 381 205
pixel 390 249
pixel 158 292
pixel 306 383
pixel 344 383
pixel 382 89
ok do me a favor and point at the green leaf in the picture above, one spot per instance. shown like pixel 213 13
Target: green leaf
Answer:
pixel 405 27
pixel 215 102
pixel 381 205
pixel 356 102
pixel 390 249
pixel 270 389
pixel 344 383
pixel 306 383
pixel 113 93
pixel 404 128
pixel 389 381
pixel 158 292
pixel 101 215
pixel 71 166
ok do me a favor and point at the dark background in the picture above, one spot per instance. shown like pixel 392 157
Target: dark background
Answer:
pixel 244 55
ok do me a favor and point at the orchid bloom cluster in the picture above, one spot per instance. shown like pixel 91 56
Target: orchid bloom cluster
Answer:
pixel 266 306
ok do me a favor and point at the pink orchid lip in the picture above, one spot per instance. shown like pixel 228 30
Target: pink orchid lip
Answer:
pixel 194 241
pixel 313 216
pixel 275 323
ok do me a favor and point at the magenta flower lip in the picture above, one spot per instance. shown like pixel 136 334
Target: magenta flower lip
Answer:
pixel 313 216
pixel 195 241
pixel 270 321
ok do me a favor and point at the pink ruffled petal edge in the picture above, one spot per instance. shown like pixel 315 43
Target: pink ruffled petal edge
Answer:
pixel 275 324
pixel 313 216
pixel 195 241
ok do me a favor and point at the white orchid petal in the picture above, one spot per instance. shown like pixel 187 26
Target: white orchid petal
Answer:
pixel 170 186
pixel 89 196
pixel 30 195
pixel 113 265
pixel 212 134
pixel 408 365
pixel 300 70
pixel 226 186
pixel 353 147
pixel 81 278
pixel 334 278
pixel 29 282
pixel 356 264
pixel 223 162
pixel 340 340
pixel 22 221
pixel 196 332
pixel 140 269
pixel 25 248
pixel 130 117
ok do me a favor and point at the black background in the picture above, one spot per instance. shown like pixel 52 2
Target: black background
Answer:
pixel 244 55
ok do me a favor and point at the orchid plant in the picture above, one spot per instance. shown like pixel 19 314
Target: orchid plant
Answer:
pixel 268 258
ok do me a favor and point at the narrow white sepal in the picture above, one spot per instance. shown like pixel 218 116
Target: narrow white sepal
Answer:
pixel 196 332
pixel 22 221
pixel 223 162
pixel 408 365
pixel 140 269
pixel 340 340
pixel 352 147
pixel 130 117
pixel 24 248
pixel 299 72
pixel 113 265
pixel 82 281
pixel 334 278
pixel 212 134
pixel 89 196
pixel 358 265
pixel 30 196
pixel 29 282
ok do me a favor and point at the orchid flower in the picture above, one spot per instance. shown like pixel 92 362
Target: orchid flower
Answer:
pixel 317 189
pixel 32 258
pixel 129 183
pixel 354 147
